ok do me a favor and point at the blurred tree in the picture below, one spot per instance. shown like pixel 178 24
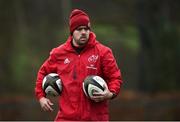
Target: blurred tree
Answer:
pixel 7 30
pixel 65 8
pixel 159 56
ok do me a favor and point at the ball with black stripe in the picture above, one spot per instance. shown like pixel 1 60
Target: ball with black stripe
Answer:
pixel 52 84
pixel 93 84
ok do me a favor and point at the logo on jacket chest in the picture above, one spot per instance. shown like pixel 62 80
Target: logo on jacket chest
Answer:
pixel 92 62
pixel 93 58
pixel 66 61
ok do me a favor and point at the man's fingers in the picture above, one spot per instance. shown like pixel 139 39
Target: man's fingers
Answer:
pixel 50 103
pixel 47 107
pixel 97 94
pixel 97 98
pixel 46 104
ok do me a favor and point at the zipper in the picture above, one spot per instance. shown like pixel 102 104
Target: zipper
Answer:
pixel 79 107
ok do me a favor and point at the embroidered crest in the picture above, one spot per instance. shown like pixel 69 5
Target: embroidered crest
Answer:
pixel 93 58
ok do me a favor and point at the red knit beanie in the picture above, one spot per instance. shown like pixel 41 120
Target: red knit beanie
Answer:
pixel 78 18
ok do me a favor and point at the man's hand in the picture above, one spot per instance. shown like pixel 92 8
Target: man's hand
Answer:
pixel 46 104
pixel 98 97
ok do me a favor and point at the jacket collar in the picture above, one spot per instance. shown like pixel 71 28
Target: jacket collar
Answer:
pixel 91 42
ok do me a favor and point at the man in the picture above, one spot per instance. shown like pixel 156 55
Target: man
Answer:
pixel 81 55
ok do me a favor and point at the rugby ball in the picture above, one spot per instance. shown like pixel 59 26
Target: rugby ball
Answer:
pixel 52 84
pixel 93 84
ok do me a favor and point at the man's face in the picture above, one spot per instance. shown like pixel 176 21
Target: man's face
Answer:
pixel 81 36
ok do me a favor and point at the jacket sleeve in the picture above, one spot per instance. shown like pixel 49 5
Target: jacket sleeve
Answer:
pixel 49 66
pixel 111 72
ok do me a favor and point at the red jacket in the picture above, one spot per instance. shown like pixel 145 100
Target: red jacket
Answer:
pixel 95 59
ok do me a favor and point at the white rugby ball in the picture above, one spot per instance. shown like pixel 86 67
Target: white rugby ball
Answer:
pixel 93 83
pixel 52 84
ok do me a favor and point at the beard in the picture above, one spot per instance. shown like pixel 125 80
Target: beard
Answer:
pixel 82 41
